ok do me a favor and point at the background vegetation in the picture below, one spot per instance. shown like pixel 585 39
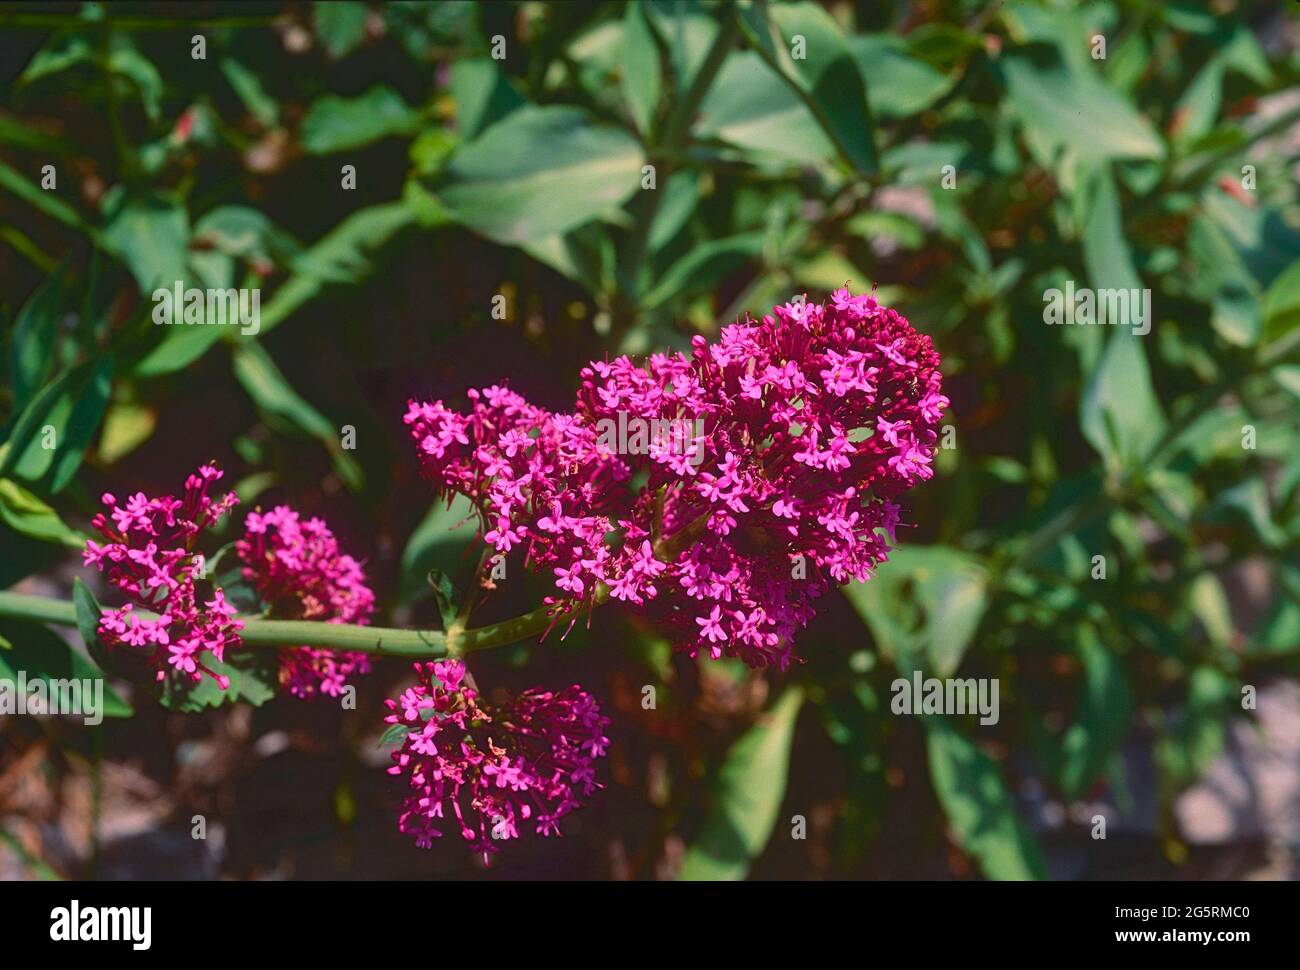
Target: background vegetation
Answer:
pixel 522 177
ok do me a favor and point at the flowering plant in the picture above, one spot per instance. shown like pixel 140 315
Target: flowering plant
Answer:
pixel 813 423
pixel 552 235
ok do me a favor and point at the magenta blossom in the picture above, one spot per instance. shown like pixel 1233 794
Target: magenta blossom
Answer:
pixel 744 480
pixel 495 770
pixel 149 557
pixel 298 570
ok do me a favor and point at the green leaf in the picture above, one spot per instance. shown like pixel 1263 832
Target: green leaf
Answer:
pixel 47 202
pixel 1105 248
pixel 1104 712
pixel 249 88
pixel 1120 414
pixel 31 355
pixel 1262 235
pixel 54 430
pixel 753 109
pixel 231 235
pixel 280 404
pixel 483 95
pixel 1071 106
pixel 45 656
pixel 394 736
pixel 178 348
pixel 88 616
pixel 1235 315
pixel 1209 603
pixel 688 31
pixel 252 681
pixel 342 256
pixel 335 124
pixel 445 595
pixel 539 172
pixel 1280 307
pixel 341 26
pixel 901 86
pixel 62 52
pixel 32 139
pixel 439 544
pixel 703 266
pixel 639 67
pixel 150 234
pixel 1197 737
pixel 681 196
pixel 585 255
pixel 978 806
pixel 924 606
pixel 25 513
pixel 1248 502
pixel 806 47
pixel 1198 107
pixel 126 61
pixel 127 426
pixel 747 796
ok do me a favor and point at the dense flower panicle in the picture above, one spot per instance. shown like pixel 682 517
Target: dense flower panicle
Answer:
pixel 791 440
pixel 149 557
pixel 496 770
pixel 298 570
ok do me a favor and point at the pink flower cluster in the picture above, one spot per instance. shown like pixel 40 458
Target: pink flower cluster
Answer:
pixel 805 428
pixel 149 557
pixel 529 761
pixel 299 572
pixel 295 566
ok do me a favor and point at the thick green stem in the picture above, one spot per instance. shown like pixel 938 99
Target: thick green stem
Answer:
pixel 383 641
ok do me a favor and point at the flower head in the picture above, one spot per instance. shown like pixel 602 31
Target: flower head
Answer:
pixel 297 568
pixel 769 468
pixel 149 557
pixel 492 772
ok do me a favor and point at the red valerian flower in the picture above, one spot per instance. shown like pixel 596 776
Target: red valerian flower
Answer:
pixel 525 764
pixel 297 568
pixel 149 556
pixel 721 493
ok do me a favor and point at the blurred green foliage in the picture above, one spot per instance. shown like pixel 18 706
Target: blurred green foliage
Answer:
pixel 965 157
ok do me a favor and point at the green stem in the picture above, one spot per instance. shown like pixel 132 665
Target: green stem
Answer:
pixel 382 641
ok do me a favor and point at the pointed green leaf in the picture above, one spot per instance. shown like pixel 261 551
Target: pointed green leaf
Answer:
pixel 747 797
pixel 978 806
